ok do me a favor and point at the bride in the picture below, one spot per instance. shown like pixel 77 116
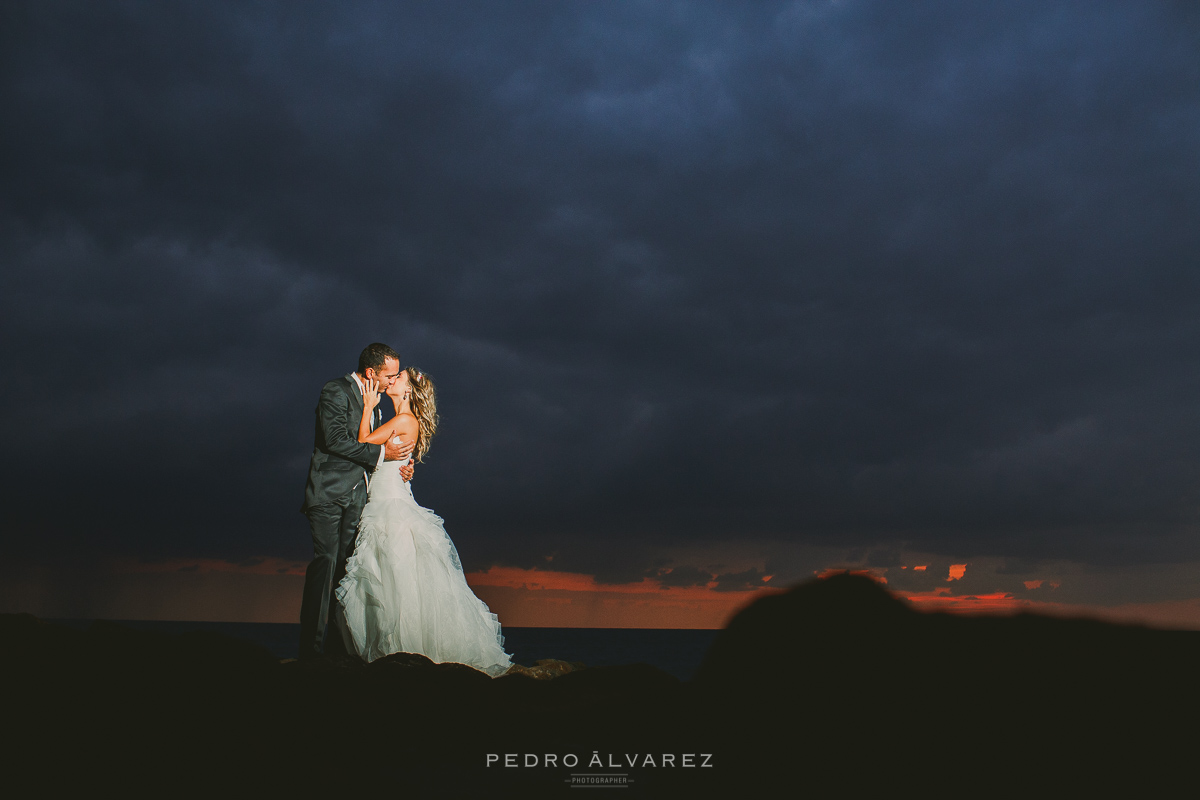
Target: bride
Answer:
pixel 404 589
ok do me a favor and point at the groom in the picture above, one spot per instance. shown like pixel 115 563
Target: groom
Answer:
pixel 337 489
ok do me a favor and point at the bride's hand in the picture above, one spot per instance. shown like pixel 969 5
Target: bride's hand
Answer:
pixel 370 394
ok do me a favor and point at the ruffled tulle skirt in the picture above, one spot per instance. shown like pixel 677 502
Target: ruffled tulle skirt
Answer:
pixel 404 591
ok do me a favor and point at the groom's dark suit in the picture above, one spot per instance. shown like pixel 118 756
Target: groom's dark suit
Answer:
pixel 333 501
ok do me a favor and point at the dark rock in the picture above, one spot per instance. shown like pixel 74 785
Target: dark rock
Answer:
pixel 403 661
pixel 834 687
pixel 632 681
pixel 859 684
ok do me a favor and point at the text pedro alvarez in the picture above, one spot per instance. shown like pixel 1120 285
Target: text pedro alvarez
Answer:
pixel 627 760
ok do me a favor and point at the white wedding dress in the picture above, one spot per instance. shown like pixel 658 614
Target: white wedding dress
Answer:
pixel 404 589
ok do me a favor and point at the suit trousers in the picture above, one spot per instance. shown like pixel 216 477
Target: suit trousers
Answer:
pixel 334 528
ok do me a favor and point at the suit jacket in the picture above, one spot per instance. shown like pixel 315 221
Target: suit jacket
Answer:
pixel 339 459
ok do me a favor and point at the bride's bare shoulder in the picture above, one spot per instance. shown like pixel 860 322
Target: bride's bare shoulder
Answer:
pixel 405 421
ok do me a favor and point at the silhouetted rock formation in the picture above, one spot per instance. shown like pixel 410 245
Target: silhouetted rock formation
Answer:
pixel 860 684
pixel 833 687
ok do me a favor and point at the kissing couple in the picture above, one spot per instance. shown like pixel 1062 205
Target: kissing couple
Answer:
pixel 384 575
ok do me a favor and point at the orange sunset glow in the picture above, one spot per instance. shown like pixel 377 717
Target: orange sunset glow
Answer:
pixel 543 598
pixel 268 589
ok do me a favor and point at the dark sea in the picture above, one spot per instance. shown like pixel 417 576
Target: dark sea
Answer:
pixel 677 651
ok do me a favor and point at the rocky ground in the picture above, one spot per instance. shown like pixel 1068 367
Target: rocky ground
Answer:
pixel 831 688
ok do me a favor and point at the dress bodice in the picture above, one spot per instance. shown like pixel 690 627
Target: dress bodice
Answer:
pixel 387 483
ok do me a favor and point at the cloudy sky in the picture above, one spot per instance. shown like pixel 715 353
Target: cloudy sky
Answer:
pixel 716 295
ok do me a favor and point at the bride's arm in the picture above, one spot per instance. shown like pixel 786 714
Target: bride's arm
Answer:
pixel 383 434
pixel 402 425
pixel 377 436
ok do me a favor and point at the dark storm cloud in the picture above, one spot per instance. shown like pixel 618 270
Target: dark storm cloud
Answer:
pixel 740 581
pixel 854 273
pixel 684 576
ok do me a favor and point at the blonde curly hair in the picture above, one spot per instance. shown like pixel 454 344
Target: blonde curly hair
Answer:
pixel 423 403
